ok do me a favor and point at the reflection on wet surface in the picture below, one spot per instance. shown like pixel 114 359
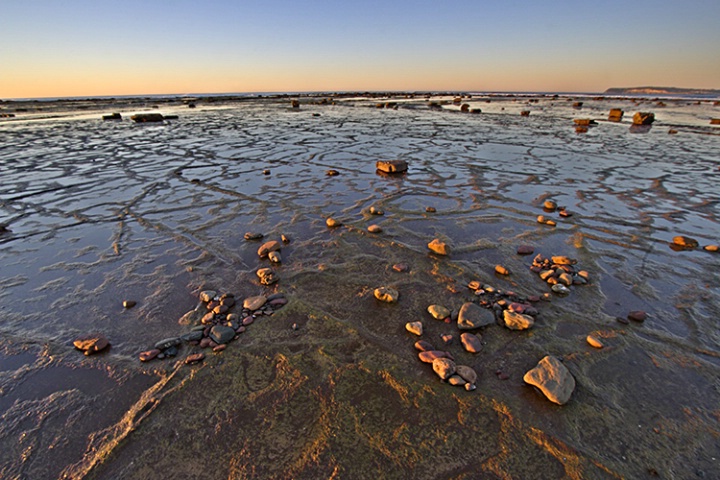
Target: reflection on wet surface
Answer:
pixel 100 212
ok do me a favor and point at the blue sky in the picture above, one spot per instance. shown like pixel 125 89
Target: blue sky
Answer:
pixel 78 47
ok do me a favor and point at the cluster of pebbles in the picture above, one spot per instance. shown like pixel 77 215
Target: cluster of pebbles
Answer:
pixel 559 272
pixel 218 322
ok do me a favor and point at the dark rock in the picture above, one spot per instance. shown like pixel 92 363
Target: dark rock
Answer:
pixel 472 316
pixel 471 342
pixel 91 343
pixel 221 334
pixel 637 316
pixel 392 166
pixel 114 116
pixel 643 118
pixel 147 117
pixel 423 346
pixel 168 342
pixel 525 250
pixel 148 355
pixel 129 303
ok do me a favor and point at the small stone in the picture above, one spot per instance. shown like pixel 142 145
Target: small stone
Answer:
pixel 401 267
pixel 471 342
pixel 446 338
pixel 212 304
pixel 560 289
pixel 392 166
pixel 444 367
pixel 472 316
pixel 423 346
pixel 129 303
pixel 594 341
pixel 194 358
pixel 470 387
pixel 387 294
pixel 637 316
pixel 148 355
pixel 253 236
pixel 563 260
pixel 415 328
pixel 248 321
pixel 685 242
pixel 474 285
pixel 438 312
pixel 456 380
pixel 227 300
pixel 221 334
pixel 207 295
pixel 550 205
pixel 441 248
pixel 525 250
pixel 712 248
pixel 220 309
pixel 285 238
pixel 266 172
pixel 553 379
pixel 208 318
pixel 275 257
pixel 295 326
pixel 430 209
pixel 254 303
pixel 168 342
pixel 541 219
pixel 205 342
pixel 332 223
pixel 219 348
pixel 565 213
pixel 467 373
pixel 267 247
pixel 429 356
pixel 375 229
pixel 91 343
pixel 517 321
pixel 376 211
pixel 332 173
pixel 550 223
pixel 500 270
pixel 622 320
pixel 565 279
pixel 277 303
pixel 267 276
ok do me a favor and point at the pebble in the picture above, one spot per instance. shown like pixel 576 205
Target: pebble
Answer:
pixel 387 294
pixel 332 173
pixel 712 248
pixel 430 209
pixel 685 242
pixel 470 387
pixel 594 341
pixel 429 356
pixel 415 328
pixel 560 289
pixel 446 338
pixel 472 316
pixel 517 321
pixel 208 318
pixel 438 312
pixel 148 355
pixel 207 295
pixel 332 223
pixel 205 342
pixel 376 211
pixel 467 373
pixel 444 367
pixel 278 302
pixel 637 316
pixel 550 205
pixel 267 247
pixel 500 270
pixel 129 303
pixel 553 379
pixel 392 166
pixel 285 238
pixel 248 321
pixel 441 248
pixel 253 236
pixel 254 303
pixel 471 342
pixel 423 346
pixel 563 260
pixel 456 380
pixel 401 267
pixel 525 250
pixel 220 348
pixel 374 229
pixel 194 358
pixel 266 172
pixel 275 257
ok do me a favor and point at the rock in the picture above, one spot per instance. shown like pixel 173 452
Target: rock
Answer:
pixel 248 321
pixel 615 115
pixel 560 289
pixel 643 118
pixel 332 223
pixel 253 236
pixel 227 300
pixel 415 328
pixel 401 267
pixel 438 312
pixel 148 355
pixel 207 295
pixel 637 316
pixel 376 211
pixel 267 276
pixel 517 321
pixel 168 343
pixel 500 270
pixel 278 303
pixel 456 380
pixel 472 316
pixel 91 343
pixel 715 121
pixel 711 248
pixel 470 387
pixel 254 303
pixel 194 358
pixel 471 342
pixel 332 173
pixel 387 294
pixel 525 113
pixel 550 205
pixel 474 285
pixel 429 356
pixel 441 248
pixel 208 318
pixel 423 346
pixel 192 336
pixel 267 247
pixel 430 209
pixel 295 104
pixel 464 108
pixel 444 367
pixel 467 373
pixel 563 260
pixel 553 379
pixel 446 338
pixel 219 348
pixel 685 242
pixel 565 279
pixel 594 341
pixel 220 309
pixel 147 117
pixel 374 229
pixel 221 334
pixel 392 166
pixel 525 250
pixel 129 303
pixel 285 238
pixel 275 257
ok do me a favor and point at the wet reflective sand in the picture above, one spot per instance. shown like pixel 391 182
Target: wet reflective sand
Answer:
pixel 101 212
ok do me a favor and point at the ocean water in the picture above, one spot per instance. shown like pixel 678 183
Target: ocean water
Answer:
pixel 102 212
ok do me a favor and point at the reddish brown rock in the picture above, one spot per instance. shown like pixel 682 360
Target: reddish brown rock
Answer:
pixel 392 166
pixel 430 355
pixel 91 343
pixel 471 342
pixel 194 358
pixel 441 248
pixel 400 267
pixel 220 348
pixel 423 346
pixel 525 250
pixel 148 355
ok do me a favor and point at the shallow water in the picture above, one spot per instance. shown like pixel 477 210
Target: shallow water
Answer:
pixel 101 212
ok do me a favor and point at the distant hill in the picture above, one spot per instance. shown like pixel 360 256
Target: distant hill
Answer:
pixel 661 91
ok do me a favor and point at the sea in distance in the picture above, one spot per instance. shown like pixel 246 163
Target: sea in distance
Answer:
pixel 116 227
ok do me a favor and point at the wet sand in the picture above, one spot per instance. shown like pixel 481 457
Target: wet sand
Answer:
pixel 101 212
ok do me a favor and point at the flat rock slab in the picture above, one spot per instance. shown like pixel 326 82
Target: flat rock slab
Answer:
pixel 473 316
pixel 392 166
pixel 553 379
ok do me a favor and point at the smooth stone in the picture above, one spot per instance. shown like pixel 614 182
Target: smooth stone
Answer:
pixel 525 250
pixel 711 248
pixel 467 373
pixel 470 387
pixel 438 312
pixel 499 269
pixel 221 334
pixel 211 305
pixel 456 380
pixel 401 267
pixel 168 342
pixel 374 229
pixel 205 342
pixel 207 295
pixel 565 279
pixel 253 236
pixel 560 289
pixel 517 321
pixel 129 303
pixel 685 242
pixel 219 348
pixel 267 247
pixel 594 341
pixel 275 257
pixel 376 211
pixel 276 296
pixel 148 355
pixel 247 321
pixel 285 238
pixel 550 205
pixel 446 338
pixel 220 309
pixel 471 342
pixel 170 352
pixel 441 248
pixel 423 346
pixel 208 318
pixel 194 358
pixel 278 302
pixel 563 260
pixel 430 209
pixel 553 379
pixel 392 166
pixel 227 300
pixel 637 316
pixel 387 294
pixel 444 367
pixel 473 316
pixel 429 356
pixel 332 173
pixel 415 328
pixel 192 336
pixel 332 223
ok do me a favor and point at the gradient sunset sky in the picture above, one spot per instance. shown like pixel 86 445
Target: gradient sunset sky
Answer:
pixel 52 48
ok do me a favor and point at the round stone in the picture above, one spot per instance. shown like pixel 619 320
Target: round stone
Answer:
pixel 456 380
pixel 332 223
pixel 376 211
pixel 275 257
pixel 375 229
pixel 712 248
pixel 387 294
pixel 416 328
pixel 550 205
pixel 438 312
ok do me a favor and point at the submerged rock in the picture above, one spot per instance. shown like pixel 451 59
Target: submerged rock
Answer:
pixel 553 379
pixel 643 118
pixel 685 242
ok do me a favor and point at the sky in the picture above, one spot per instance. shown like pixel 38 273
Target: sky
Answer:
pixel 54 48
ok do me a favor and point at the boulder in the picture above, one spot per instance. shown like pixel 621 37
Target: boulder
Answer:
pixel 553 379
pixel 221 334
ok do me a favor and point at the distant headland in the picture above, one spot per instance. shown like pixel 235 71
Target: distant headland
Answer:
pixel 661 91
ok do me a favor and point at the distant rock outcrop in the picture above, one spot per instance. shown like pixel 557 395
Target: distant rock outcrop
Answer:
pixel 661 91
